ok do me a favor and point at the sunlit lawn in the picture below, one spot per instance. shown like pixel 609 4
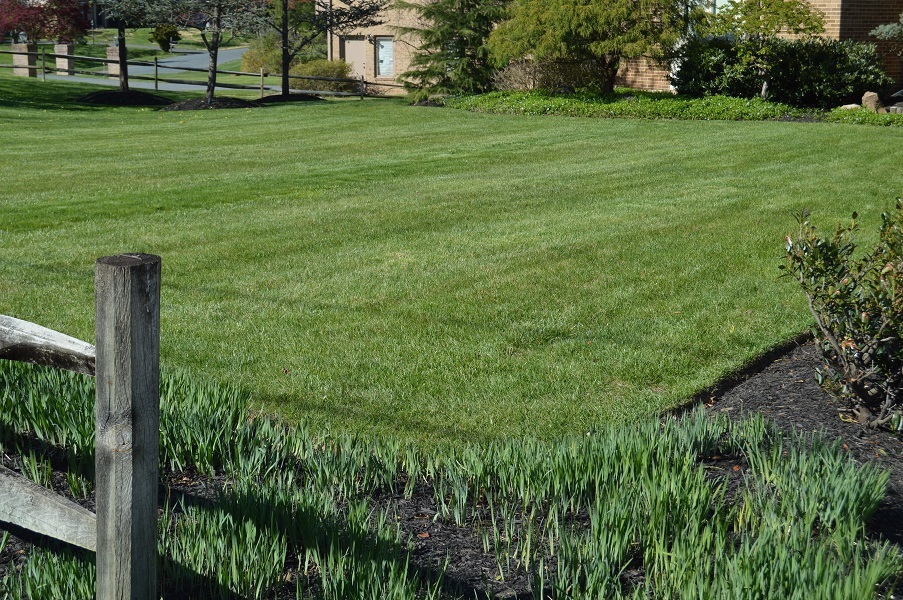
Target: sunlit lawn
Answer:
pixel 430 273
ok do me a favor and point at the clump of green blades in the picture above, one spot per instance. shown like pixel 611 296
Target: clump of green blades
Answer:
pixel 626 511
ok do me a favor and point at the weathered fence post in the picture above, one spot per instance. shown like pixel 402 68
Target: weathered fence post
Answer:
pixel 127 300
pixel 156 75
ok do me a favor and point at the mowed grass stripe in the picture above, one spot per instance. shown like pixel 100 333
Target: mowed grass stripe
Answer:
pixel 433 274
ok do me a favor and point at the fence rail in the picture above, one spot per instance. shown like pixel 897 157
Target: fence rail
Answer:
pixel 359 84
pixel 126 363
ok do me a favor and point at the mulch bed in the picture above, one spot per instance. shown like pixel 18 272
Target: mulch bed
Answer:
pixel 279 98
pixel 201 104
pixel 117 98
pixel 782 388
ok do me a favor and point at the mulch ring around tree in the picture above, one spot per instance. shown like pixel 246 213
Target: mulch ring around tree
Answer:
pixel 130 98
pixel 280 98
pixel 782 388
pixel 201 104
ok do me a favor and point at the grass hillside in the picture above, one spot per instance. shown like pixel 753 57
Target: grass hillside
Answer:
pixel 426 273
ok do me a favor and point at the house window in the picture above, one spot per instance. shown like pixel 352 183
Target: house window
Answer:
pixel 385 57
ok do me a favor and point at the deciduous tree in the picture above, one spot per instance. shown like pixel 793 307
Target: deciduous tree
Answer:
pixel 129 13
pixel 213 19
pixel 60 20
pixel 596 33
pixel 757 21
pixel 300 22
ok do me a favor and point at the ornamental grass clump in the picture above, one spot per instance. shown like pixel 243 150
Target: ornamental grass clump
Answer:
pixel 857 303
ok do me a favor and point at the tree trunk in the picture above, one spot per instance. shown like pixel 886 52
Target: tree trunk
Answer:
pixel 286 51
pixel 608 71
pixel 213 50
pixel 123 58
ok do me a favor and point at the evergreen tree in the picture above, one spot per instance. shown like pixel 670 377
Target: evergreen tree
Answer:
pixel 452 56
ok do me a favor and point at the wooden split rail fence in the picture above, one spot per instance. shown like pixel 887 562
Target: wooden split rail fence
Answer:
pixel 359 86
pixel 126 366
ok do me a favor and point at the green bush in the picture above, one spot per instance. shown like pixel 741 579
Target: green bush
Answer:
pixel 321 67
pixel 857 303
pixel 810 72
pixel 165 35
pixel 265 52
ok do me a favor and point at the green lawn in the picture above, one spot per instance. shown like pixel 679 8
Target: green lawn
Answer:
pixel 430 273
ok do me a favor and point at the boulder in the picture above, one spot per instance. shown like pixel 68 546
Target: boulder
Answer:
pixel 871 101
pixel 850 107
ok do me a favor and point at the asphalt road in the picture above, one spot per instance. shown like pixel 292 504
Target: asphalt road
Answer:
pixel 192 60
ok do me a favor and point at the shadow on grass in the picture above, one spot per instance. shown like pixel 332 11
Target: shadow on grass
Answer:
pixel 34 94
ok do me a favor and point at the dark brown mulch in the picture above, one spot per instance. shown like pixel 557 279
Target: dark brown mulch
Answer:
pixel 130 98
pixel 201 104
pixel 783 388
pixel 278 98
pixel 786 392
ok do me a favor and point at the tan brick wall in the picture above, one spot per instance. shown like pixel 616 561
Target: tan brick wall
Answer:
pixel 831 11
pixel 641 74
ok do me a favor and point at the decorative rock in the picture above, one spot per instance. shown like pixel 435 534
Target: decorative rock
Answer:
pixel 113 67
pixel 871 101
pixel 850 107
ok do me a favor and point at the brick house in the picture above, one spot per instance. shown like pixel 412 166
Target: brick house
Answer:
pixel 380 54
pixel 377 53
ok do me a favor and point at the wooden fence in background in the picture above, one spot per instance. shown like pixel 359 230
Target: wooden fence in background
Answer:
pixel 359 86
pixel 126 366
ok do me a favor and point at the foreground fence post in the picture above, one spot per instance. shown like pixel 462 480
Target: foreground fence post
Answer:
pixel 127 289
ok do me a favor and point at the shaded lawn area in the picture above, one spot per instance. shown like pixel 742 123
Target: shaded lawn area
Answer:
pixel 428 273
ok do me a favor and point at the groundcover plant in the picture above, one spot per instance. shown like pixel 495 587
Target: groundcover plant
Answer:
pixel 253 507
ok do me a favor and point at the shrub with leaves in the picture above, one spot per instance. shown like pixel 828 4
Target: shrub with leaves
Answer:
pixel 857 302
pixel 810 72
pixel 165 35
pixel 320 67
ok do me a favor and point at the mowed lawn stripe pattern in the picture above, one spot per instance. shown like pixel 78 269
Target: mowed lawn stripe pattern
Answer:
pixel 431 273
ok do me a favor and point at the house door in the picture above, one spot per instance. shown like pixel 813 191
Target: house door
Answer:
pixel 385 57
pixel 356 56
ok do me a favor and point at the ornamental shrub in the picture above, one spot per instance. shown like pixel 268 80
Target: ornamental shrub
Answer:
pixel 811 72
pixel 265 52
pixel 857 303
pixel 165 35
pixel 321 67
